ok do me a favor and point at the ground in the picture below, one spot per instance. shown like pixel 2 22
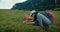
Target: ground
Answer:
pixel 12 21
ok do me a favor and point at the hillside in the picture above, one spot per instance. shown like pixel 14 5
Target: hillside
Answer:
pixel 12 21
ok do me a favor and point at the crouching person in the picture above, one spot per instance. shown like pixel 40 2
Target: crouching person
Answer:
pixel 40 20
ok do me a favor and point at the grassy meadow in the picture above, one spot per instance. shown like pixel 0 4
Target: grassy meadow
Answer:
pixel 12 21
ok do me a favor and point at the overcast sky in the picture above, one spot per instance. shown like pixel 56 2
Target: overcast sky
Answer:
pixel 7 4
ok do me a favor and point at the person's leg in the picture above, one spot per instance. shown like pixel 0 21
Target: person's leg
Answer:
pixel 46 28
pixel 44 21
pixel 40 27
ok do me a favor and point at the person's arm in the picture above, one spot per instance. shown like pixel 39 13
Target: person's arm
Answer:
pixel 29 21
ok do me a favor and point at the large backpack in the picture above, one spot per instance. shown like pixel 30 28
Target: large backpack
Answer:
pixel 51 15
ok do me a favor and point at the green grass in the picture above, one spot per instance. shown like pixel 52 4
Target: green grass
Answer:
pixel 12 21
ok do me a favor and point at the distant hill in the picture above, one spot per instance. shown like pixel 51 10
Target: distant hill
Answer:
pixel 35 4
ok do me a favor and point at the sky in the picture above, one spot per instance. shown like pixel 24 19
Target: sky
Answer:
pixel 7 4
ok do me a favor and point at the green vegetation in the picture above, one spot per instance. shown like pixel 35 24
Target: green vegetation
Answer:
pixel 12 21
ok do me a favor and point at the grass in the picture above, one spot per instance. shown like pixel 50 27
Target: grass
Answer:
pixel 12 21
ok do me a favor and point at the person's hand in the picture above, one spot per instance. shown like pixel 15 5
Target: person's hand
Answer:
pixel 31 23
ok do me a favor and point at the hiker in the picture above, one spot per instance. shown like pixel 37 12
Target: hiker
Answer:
pixel 40 20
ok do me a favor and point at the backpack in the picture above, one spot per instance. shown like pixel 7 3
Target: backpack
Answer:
pixel 51 16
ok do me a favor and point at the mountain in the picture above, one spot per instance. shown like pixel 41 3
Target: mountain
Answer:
pixel 35 5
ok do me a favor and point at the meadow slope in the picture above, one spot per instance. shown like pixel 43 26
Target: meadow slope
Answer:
pixel 12 21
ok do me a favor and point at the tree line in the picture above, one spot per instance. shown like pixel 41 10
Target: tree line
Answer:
pixel 37 5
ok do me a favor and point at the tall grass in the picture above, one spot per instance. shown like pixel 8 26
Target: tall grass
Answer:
pixel 12 21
